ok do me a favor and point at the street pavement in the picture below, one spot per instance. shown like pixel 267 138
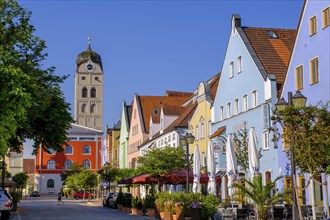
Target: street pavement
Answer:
pixel 46 208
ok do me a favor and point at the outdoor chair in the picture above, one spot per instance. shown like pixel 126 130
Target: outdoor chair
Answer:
pixel 319 210
pixel 304 212
pixel 276 213
pixel 242 214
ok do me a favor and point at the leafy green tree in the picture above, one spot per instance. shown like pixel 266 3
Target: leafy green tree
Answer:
pixel 158 161
pixel 307 131
pixel 74 169
pixel 261 194
pixel 33 106
pixel 109 173
pixel 86 179
pixel 21 180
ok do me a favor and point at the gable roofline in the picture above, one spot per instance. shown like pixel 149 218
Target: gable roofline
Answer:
pixel 138 104
pixel 294 47
pixel 80 129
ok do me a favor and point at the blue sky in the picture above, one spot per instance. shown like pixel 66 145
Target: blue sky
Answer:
pixel 148 47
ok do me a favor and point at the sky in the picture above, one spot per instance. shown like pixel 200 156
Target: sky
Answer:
pixel 150 46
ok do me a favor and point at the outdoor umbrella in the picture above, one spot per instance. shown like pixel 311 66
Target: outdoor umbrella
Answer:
pixel 231 165
pixel 196 170
pixel 254 163
pixel 211 187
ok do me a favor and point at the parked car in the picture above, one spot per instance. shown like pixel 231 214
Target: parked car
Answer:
pixel 106 199
pixel 5 204
pixel 127 196
pixel 82 194
pixel 35 194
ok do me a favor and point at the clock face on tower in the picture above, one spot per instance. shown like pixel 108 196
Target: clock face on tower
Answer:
pixel 89 67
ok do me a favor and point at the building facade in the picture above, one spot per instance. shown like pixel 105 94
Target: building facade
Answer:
pixel 83 148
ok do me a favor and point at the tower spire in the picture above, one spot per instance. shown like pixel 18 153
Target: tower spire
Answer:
pixel 89 42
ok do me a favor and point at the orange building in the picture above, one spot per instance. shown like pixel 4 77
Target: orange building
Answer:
pixel 84 148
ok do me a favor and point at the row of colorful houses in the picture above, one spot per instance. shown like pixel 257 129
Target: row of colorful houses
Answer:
pixel 260 66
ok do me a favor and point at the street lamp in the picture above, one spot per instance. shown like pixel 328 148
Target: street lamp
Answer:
pixel 298 100
pixel 185 140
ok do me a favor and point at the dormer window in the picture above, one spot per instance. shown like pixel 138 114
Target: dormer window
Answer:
pixel 272 34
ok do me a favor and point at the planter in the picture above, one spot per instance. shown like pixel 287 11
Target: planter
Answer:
pixel 195 213
pixel 179 212
pixel 162 215
pixel 187 218
pixel 128 209
pixel 123 209
pixel 174 217
pixel 167 215
pixel 139 212
pixel 151 212
pixel 134 211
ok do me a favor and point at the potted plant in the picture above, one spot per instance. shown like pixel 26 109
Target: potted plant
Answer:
pixel 120 200
pixel 209 206
pixel 134 205
pixel 179 212
pixel 168 209
pixel 149 201
pixel 160 207
pixel 139 205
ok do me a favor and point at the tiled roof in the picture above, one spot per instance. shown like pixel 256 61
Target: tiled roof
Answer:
pixel 169 93
pixel 218 132
pixel 273 52
pixel 182 120
pixel 214 86
pixel 173 110
pixel 149 103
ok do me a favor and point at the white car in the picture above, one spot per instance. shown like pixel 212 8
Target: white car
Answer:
pixel 5 204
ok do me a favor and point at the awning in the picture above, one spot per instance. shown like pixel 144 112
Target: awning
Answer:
pixel 7 183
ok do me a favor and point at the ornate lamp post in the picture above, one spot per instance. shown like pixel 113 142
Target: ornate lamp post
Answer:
pixel 298 100
pixel 185 140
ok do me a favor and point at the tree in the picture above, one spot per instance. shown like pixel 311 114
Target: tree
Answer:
pixel 33 106
pixel 108 173
pixel 74 169
pixel 86 179
pixel 158 161
pixel 307 131
pixel 262 194
pixel 21 180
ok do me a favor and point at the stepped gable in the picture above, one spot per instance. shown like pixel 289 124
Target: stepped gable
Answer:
pixel 273 48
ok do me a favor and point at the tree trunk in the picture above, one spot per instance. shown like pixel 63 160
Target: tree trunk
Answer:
pixel 313 202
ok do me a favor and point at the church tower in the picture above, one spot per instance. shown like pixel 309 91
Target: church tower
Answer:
pixel 88 104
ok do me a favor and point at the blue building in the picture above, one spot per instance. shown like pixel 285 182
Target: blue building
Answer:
pixel 252 76
pixel 309 73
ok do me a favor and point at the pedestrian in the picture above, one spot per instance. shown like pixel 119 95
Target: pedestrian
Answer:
pixel 59 198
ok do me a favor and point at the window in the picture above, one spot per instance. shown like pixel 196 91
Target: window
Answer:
pixel 312 26
pixel 221 113
pixel 134 113
pixel 245 103
pixel 84 92
pixel 83 78
pixel 93 92
pixel 83 108
pixel 51 164
pixel 268 177
pixel 50 183
pixel 173 137
pixel 314 71
pixel 254 99
pixel 93 108
pixel 68 149
pixel 228 110
pixel 265 140
pixel 325 18
pixel 209 128
pixel 51 151
pixel 236 106
pixel 87 149
pixel 239 64
pixel 231 69
pixel 86 164
pixel 67 164
pixel 202 130
pixel 299 78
